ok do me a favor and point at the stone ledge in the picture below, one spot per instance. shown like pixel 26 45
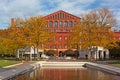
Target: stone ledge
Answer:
pixel 105 68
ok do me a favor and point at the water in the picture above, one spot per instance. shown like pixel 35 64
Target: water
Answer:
pixel 67 74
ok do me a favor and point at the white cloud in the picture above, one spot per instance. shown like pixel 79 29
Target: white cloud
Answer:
pixel 24 8
pixel 16 8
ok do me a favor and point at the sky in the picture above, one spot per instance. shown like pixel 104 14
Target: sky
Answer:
pixel 26 8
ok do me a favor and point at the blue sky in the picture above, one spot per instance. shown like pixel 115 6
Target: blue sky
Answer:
pixel 27 8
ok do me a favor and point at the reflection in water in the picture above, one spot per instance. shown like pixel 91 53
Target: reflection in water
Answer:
pixel 68 74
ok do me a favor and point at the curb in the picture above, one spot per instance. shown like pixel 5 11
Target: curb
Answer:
pixel 13 65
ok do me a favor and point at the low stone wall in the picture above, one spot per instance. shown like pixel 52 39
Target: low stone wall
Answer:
pixel 105 68
pixel 63 64
pixel 18 71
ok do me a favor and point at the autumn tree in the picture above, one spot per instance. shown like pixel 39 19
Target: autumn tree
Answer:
pixel 95 29
pixel 12 38
pixel 35 32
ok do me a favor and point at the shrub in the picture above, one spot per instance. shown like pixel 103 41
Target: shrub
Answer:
pixel 51 52
pixel 69 52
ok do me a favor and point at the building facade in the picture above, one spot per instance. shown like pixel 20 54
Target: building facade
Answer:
pixel 116 35
pixel 62 23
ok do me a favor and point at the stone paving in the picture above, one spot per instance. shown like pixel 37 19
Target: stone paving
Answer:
pixel 13 66
pixel 12 71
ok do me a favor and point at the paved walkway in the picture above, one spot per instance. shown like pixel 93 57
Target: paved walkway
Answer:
pixel 14 66
pixel 106 68
pixel 14 70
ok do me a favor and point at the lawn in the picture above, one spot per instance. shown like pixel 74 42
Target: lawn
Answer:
pixel 115 64
pixel 4 63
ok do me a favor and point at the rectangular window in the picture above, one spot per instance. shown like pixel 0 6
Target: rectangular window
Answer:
pixel 54 46
pixel 65 46
pixel 65 38
pixel 75 23
pixel 60 46
pixel 54 38
pixel 50 23
pixel 60 38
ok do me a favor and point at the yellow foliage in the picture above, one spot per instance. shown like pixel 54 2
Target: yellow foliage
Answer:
pixel 94 30
pixel 35 32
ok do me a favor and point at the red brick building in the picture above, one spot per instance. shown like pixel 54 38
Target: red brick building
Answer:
pixel 62 23
pixel 116 35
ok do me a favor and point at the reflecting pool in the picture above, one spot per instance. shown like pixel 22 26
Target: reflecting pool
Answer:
pixel 67 74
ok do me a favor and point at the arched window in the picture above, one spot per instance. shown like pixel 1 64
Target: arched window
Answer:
pixel 75 23
pixel 60 24
pixel 55 24
pixel 50 24
pixel 65 24
pixel 70 23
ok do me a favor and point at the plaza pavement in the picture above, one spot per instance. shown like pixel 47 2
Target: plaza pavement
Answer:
pixel 14 66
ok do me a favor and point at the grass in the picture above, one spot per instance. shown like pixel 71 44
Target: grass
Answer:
pixel 7 58
pixel 4 63
pixel 115 64
pixel 7 61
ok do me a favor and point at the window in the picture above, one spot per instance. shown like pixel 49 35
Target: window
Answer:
pixel 65 46
pixel 70 24
pixel 68 17
pixel 55 24
pixel 60 38
pixel 75 23
pixel 54 46
pixel 61 24
pixel 65 38
pixel 61 15
pixel 60 46
pixel 49 46
pixel 50 23
pixel 55 16
pixel 54 38
pixel 58 16
pixel 65 24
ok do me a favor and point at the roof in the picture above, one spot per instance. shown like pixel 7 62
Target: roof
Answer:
pixel 61 11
